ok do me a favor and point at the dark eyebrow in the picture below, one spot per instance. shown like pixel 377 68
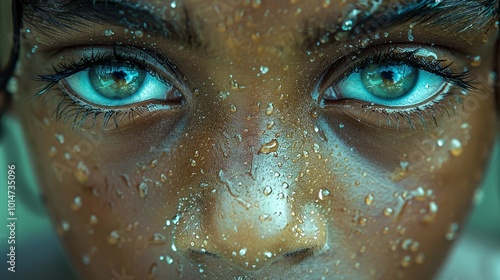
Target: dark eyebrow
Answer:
pixel 466 17
pixel 69 15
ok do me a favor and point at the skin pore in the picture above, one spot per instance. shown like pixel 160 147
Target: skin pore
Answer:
pixel 256 155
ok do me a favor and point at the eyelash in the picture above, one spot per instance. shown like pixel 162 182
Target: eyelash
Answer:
pixel 461 80
pixel 69 106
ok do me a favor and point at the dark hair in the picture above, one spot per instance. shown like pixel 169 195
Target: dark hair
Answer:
pixel 14 54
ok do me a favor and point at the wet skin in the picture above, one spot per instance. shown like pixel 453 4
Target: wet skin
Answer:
pixel 253 173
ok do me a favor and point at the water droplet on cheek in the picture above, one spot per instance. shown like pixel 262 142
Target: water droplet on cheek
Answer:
pixel 456 147
pixel 269 147
pixel 76 204
pixel 113 237
pixel 267 191
pixel 369 199
pixel 388 212
pixel 93 220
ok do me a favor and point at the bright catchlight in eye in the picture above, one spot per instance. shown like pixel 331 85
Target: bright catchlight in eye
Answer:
pixel 386 84
pixel 118 84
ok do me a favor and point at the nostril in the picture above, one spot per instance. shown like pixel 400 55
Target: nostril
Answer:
pixel 200 254
pixel 299 255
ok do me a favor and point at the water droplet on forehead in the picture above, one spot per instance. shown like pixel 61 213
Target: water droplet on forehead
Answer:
pixel 369 199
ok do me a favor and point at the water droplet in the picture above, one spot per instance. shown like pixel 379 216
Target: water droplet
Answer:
pixel 264 69
pixel 268 254
pixel 406 261
pixel 81 172
pixel 77 203
pixel 440 142
pixel 420 258
pixel 113 237
pixel 176 219
pixel 269 147
pixel 256 3
pixel 173 4
pixel 139 33
pixel 157 239
pixel 169 259
pixel 341 125
pixel 388 212
pixel 456 147
pixel 193 162
pixel 270 109
pixel 52 151
pixel 59 138
pixel 410 35
pixel 108 33
pixel 431 214
pixel 347 25
pixel 153 163
pixel 476 61
pixel 268 190
pixel 369 199
pixel 414 246
pixel 143 189
pixel 323 193
pixel 233 108
pixel 243 251
pixel 153 271
pixel 86 259
pixel 452 232
pixel 405 245
pixel 65 225
pixel 93 219
pixel 362 221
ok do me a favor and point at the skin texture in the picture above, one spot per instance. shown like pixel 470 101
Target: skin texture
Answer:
pixel 258 179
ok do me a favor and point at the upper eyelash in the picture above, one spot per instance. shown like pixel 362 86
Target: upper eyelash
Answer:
pixel 434 66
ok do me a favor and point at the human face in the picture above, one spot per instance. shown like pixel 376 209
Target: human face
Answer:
pixel 259 139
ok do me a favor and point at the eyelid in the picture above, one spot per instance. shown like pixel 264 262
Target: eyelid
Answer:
pixel 436 60
pixel 80 58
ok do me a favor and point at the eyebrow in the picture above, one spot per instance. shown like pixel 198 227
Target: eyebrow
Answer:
pixel 69 15
pixel 464 17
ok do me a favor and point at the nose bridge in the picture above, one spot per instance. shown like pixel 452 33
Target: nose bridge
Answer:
pixel 252 217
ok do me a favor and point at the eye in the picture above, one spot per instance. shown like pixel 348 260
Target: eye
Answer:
pixel 118 85
pixel 388 84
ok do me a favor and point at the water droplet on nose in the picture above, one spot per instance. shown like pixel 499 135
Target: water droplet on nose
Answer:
pixel 76 203
pixel 269 147
pixel 456 147
pixel 268 190
pixel 81 172
pixel 388 212
pixel 323 193
pixel 143 189
pixel 452 232
pixel 113 237
pixel 369 199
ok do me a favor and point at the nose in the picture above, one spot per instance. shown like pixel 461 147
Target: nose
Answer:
pixel 251 230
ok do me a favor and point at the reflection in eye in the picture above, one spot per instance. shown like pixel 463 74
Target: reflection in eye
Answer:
pixel 388 84
pixel 113 85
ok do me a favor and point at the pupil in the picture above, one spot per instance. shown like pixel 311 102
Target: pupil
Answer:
pixel 387 76
pixel 120 75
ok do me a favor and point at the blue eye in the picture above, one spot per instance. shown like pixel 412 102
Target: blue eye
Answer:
pixel 386 84
pixel 119 84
